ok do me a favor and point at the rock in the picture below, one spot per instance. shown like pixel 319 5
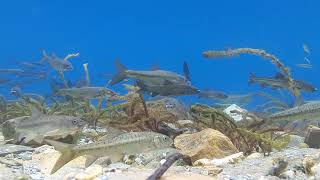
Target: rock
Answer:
pixel 103 161
pixel 206 144
pixel 290 175
pixel 129 159
pixel 25 156
pixel 309 162
pixel 89 174
pixel 316 171
pixel 313 137
pixel 255 155
pixel 235 116
pixel 220 162
pixel 117 166
pixel 6 149
pixel 297 142
pixel 279 167
pixel 185 123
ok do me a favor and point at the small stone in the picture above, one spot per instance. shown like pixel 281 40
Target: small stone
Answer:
pixel 117 166
pixel 290 175
pixel 279 167
pixel 255 155
pixel 183 123
pixel 94 171
pixel 162 161
pixel 103 161
pixel 206 144
pixel 316 171
pixel 129 159
pixel 212 170
pixel 25 156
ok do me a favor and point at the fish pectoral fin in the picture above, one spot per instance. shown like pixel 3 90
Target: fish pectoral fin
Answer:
pixel 90 159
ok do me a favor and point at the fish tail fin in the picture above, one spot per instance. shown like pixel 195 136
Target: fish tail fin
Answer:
pixel 141 85
pixel 120 75
pixel 251 78
pixel 67 154
pixel 44 57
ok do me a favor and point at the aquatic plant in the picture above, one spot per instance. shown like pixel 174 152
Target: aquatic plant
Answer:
pixel 265 55
pixel 247 137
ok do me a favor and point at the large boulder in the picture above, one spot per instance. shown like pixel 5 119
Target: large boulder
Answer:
pixel 206 144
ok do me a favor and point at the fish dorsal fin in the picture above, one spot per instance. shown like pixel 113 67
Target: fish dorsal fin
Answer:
pixel 35 113
pixel 90 159
pixel 186 71
pixel 279 76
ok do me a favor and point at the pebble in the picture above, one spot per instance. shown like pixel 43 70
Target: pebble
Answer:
pixel 255 155
pixel 25 156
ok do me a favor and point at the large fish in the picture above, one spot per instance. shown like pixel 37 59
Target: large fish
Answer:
pixel 298 118
pixel 157 77
pixel 280 81
pixel 124 144
pixel 87 92
pixel 35 128
pixel 168 89
pixel 57 63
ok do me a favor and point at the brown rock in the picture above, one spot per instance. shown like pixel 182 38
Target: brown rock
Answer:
pixel 206 144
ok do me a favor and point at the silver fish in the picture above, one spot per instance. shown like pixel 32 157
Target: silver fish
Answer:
pixel 157 77
pixel 124 144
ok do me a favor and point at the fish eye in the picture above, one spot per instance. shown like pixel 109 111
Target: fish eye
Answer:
pixel 74 122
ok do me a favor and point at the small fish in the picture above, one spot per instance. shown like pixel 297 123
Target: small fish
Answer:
pixel 306 49
pixel 279 81
pixel 4 80
pixel 39 126
pixel 156 77
pixel 167 89
pixel 31 65
pixel 24 73
pixel 306 66
pixel 212 94
pixel 125 144
pixel 87 92
pixel 57 63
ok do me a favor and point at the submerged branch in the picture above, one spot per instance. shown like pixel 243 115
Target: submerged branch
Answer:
pixel 260 52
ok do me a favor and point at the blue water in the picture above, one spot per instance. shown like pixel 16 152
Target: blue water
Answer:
pixel 164 33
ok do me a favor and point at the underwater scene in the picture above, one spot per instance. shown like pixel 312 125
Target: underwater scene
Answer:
pixel 170 90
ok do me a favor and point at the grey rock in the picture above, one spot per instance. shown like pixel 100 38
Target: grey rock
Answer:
pixel 313 137
pixel 296 141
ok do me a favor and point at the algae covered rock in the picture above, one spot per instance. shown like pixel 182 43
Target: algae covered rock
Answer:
pixel 206 144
